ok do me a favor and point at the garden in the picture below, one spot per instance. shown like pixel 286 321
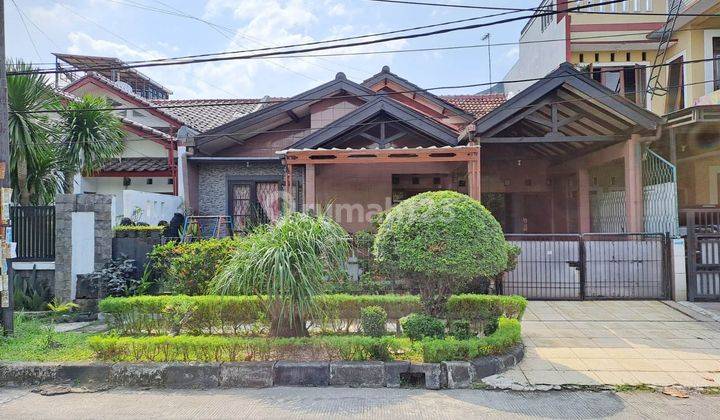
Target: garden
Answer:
pixel 282 292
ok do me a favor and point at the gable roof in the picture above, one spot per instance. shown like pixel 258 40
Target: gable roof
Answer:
pixel 566 76
pixel 206 114
pixel 386 75
pixel 377 105
pixel 478 104
pixel 129 96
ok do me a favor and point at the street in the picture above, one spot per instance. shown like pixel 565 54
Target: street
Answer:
pixel 352 403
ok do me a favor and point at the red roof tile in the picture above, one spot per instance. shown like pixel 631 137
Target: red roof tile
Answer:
pixel 477 105
pixel 136 165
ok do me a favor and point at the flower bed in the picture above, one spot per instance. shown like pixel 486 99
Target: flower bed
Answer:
pixel 327 348
pixel 235 314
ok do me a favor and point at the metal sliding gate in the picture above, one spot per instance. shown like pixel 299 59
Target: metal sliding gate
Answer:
pixel 703 253
pixel 591 266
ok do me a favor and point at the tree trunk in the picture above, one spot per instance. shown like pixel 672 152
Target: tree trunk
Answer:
pixel 434 294
pixel 68 183
pixel 22 178
pixel 285 322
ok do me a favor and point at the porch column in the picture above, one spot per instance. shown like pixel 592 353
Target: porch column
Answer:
pixel 309 187
pixel 633 185
pixel 289 200
pixel 474 176
pixel 583 198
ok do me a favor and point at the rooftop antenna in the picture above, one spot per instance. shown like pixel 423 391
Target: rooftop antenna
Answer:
pixel 486 37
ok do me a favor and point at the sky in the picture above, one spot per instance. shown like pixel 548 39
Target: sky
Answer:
pixel 149 29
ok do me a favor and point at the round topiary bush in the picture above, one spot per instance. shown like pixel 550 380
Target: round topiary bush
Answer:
pixel 440 240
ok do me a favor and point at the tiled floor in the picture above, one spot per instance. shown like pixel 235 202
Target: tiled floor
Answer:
pixel 614 343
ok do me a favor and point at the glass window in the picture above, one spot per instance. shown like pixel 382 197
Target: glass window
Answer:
pixel 716 63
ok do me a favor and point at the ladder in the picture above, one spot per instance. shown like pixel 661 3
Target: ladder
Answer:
pixel 655 86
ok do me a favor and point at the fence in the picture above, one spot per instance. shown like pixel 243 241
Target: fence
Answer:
pixel 591 266
pixel 33 230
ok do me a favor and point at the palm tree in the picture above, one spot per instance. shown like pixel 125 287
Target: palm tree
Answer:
pixel 92 136
pixel 30 132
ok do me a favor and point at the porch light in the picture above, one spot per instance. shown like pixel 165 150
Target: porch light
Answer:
pixel 519 162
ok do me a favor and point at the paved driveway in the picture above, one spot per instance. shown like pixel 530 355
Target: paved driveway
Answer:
pixel 615 343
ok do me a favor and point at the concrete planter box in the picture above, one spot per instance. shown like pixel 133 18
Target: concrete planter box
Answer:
pixel 258 374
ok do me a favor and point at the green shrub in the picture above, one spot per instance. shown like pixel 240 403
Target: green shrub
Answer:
pixel 481 309
pixel 232 349
pixel 419 326
pixel 373 320
pixel 460 329
pixel 138 228
pixel 189 268
pixel 506 336
pixel 441 240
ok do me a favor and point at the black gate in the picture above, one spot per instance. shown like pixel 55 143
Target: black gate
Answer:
pixel 703 253
pixel 33 229
pixel 591 266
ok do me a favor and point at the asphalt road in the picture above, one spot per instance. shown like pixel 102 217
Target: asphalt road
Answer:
pixel 283 403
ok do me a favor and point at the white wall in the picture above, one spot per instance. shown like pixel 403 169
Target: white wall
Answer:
pixel 83 244
pixel 537 59
pixel 114 186
pixel 154 207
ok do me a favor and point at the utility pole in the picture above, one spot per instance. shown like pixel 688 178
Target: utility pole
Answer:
pixel 6 284
pixel 486 37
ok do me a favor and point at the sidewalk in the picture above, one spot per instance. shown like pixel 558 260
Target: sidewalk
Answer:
pixel 614 343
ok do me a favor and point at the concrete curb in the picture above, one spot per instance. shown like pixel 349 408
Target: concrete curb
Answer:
pixel 371 374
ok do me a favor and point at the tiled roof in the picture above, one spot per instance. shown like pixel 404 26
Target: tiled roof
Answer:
pixel 477 105
pixel 206 114
pixel 136 165
pixel 210 113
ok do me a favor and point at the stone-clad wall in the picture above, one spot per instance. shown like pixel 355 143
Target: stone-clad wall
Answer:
pixel 213 179
pixel 65 206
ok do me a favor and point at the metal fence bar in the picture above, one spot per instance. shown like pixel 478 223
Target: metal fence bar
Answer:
pixel 34 232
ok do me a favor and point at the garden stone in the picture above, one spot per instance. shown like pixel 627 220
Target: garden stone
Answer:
pixel 192 375
pixel 357 374
pixel 85 373
pixel 486 366
pixel 434 378
pixel 247 374
pixel 24 374
pixel 393 371
pixel 459 374
pixel 302 374
pixel 139 375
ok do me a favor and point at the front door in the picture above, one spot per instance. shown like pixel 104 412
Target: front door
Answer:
pixel 253 203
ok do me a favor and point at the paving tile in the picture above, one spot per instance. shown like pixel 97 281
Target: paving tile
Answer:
pixel 610 342
pixel 654 378
pixel 580 378
pixel 568 364
pixel 603 365
pixel 623 353
pixel 589 352
pixel 535 363
pixel 672 365
pixel 555 352
pixel 515 375
pixel 691 343
pixel 637 365
pixel 692 379
pixel 617 378
pixel 656 353
pixel 696 354
pixel 545 377
pixel 704 365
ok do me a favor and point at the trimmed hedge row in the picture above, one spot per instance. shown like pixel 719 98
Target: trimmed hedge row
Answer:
pixel 235 314
pixel 331 348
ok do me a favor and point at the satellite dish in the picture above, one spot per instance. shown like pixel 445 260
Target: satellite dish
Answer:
pixel 124 86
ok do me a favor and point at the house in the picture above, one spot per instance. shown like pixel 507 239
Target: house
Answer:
pixel 149 162
pixel 358 148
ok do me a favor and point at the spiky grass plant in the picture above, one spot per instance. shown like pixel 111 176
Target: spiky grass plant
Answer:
pixel 287 265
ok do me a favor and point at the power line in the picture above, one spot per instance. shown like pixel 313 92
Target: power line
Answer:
pixel 27 30
pixel 474 7
pixel 174 61
pixel 376 94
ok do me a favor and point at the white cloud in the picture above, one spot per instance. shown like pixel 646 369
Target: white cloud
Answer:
pixel 82 43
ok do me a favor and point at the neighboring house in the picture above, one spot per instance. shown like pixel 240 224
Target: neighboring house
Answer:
pixel 603 44
pixel 358 148
pixel 149 162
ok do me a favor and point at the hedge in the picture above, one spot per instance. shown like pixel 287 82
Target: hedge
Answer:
pixel 506 336
pixel 234 314
pixel 331 348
